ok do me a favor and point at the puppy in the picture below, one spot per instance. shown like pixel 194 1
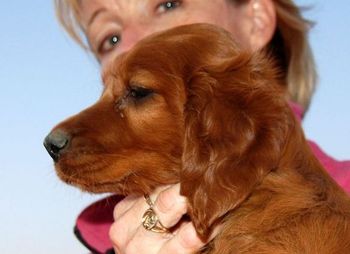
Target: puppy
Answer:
pixel 187 105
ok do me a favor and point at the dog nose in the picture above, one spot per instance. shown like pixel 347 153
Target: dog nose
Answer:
pixel 55 143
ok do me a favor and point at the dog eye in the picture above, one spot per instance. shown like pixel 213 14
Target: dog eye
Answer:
pixel 140 92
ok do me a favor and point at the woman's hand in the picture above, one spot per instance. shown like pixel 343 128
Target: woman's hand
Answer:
pixel 129 236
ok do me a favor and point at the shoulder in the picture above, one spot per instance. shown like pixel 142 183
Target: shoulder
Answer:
pixel 339 170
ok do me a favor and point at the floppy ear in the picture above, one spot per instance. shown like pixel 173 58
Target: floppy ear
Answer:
pixel 236 122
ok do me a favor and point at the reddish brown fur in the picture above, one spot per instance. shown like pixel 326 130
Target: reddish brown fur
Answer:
pixel 218 123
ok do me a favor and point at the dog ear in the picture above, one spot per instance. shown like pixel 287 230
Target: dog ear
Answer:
pixel 236 122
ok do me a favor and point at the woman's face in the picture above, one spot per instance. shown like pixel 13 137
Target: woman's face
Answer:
pixel 114 26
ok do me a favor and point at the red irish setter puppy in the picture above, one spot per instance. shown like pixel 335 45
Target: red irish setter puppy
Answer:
pixel 187 105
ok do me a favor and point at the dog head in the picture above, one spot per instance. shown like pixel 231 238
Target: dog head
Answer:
pixel 183 105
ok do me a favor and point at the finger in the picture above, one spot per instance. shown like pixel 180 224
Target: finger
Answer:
pixel 127 219
pixel 139 239
pixel 131 237
pixel 146 242
pixel 185 241
pixel 133 206
pixel 124 205
pixel 170 206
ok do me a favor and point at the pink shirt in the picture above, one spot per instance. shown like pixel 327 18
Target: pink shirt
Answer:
pixel 93 223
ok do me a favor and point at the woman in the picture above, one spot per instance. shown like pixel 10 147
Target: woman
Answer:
pixel 114 26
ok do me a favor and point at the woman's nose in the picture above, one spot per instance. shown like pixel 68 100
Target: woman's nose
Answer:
pixel 132 35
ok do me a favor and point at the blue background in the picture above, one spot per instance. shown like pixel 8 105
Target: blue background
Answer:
pixel 45 77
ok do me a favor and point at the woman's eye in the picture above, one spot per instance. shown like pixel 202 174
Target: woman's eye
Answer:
pixel 168 5
pixel 109 43
pixel 140 92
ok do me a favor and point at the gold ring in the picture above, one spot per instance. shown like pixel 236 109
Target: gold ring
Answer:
pixel 150 219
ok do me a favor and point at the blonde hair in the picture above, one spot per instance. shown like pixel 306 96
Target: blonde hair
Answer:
pixel 289 45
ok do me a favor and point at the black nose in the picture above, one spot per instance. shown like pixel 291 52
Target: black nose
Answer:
pixel 55 143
